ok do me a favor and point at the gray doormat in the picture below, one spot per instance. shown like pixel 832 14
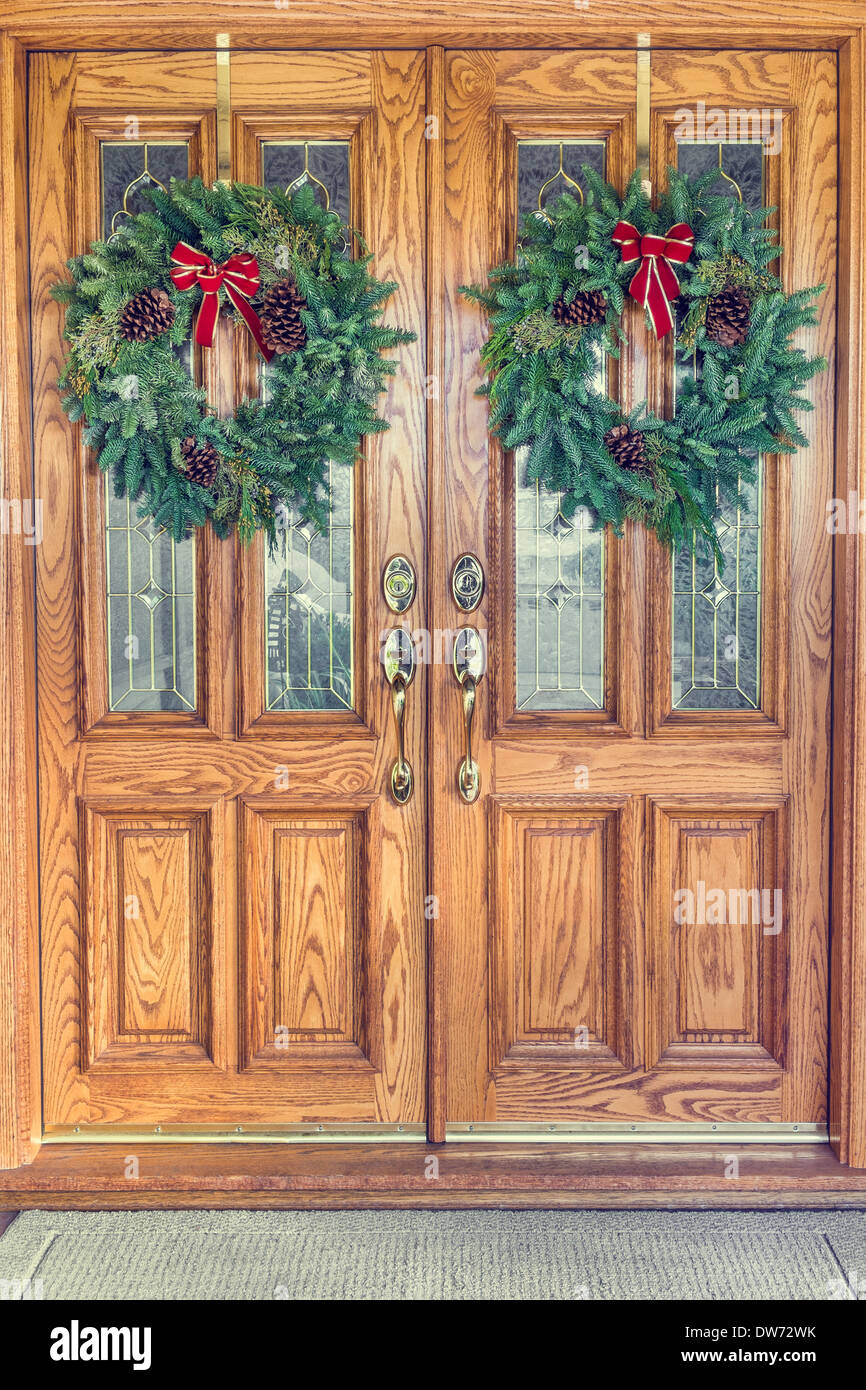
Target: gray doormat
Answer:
pixel 400 1255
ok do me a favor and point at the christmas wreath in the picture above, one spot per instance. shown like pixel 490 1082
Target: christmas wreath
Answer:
pixel 556 310
pixel 275 263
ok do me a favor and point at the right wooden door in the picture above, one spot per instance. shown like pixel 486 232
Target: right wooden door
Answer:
pixel 628 749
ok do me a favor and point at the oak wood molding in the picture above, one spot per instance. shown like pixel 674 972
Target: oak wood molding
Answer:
pixel 527 1174
pixel 20 1079
pixel 436 447
pixel 258 24
pixel 848 902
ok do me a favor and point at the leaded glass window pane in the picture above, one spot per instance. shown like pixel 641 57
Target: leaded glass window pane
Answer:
pixel 308 587
pixel 308 640
pixel 560 604
pixel 716 658
pixel 559 563
pixel 151 612
pixel 326 160
pixel 151 598
pixel 717 614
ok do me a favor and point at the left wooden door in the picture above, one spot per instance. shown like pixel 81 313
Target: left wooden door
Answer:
pixel 232 904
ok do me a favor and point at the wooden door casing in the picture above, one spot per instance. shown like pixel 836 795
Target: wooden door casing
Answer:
pixel 735 1030
pixel 218 816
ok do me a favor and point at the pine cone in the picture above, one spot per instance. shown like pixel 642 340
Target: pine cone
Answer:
pixel 282 328
pixel 588 306
pixel 200 461
pixel 148 313
pixel 627 447
pixel 728 316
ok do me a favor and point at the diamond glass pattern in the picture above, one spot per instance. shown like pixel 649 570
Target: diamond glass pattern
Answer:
pixel 559 562
pixel 150 601
pixel 308 639
pixel 717 616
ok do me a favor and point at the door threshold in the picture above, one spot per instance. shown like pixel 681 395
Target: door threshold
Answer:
pixel 588 1132
pixel 720 1175
pixel 237 1134
pixel 621 1132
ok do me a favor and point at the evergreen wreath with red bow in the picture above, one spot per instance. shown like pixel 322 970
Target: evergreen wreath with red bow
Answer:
pixel 273 262
pixel 556 311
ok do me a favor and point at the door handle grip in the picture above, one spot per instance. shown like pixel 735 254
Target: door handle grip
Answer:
pixel 469 662
pixel 468 775
pixel 398 659
pixel 401 773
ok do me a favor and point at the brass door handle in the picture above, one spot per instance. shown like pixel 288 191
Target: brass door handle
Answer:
pixel 398 659
pixel 469 670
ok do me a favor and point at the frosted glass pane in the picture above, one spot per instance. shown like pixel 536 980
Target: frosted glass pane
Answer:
pixel 559 563
pixel 308 581
pixel 716 658
pixel 150 599
pixel 308 609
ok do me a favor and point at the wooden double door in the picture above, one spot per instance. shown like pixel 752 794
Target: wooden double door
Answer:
pixel 241 927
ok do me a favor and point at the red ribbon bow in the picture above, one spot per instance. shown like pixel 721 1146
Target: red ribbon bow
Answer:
pixel 655 284
pixel 238 276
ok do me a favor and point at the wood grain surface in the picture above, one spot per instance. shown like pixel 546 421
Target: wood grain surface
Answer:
pixel 517 1175
pixel 215 945
pixel 709 1019
pixel 453 23
pixel 166 1032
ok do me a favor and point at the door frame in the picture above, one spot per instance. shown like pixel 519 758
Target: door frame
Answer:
pixel 771 24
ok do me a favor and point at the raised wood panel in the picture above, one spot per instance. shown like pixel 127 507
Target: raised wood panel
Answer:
pixel 717 962
pixel 147 956
pixel 305 82
pixel 531 78
pixel 560 965
pixel 156 967
pixel 718 934
pixel 563 923
pixel 317 906
pixel 303 946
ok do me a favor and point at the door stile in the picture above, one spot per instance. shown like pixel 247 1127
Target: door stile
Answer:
pixel 20 1079
pixel 848 890
pixel 436 488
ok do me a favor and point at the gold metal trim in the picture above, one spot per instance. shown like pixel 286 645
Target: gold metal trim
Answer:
pixel 399 583
pixel 727 177
pixel 701 1132
pixel 306 175
pixel 236 1134
pixel 223 108
pixel 467 582
pixel 482 1132
pixel 144 177
pixel 469 668
pixel 643 110
pixel 559 174
pixel 398 660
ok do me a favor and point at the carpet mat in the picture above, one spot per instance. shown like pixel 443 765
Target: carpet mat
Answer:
pixel 404 1255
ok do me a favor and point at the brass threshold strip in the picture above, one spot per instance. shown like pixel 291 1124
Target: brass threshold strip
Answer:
pixel 237 1134
pixel 699 1132
pixel 584 1133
